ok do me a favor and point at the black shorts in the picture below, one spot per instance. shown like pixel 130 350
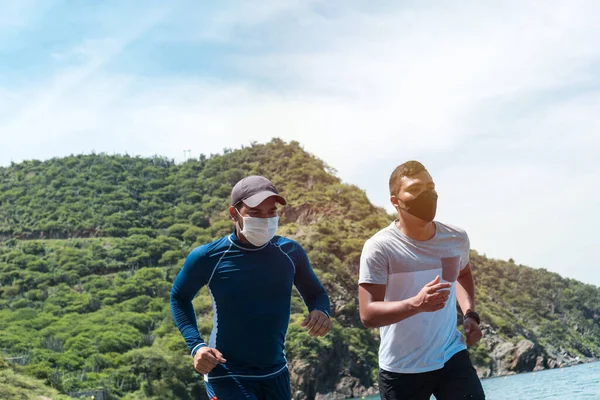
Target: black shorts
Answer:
pixel 455 381
pixel 276 387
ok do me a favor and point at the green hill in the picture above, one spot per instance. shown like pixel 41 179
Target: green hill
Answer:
pixel 14 386
pixel 91 244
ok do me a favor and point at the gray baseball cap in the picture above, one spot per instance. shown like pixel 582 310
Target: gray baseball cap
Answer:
pixel 253 190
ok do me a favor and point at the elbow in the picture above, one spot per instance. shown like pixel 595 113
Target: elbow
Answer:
pixel 179 300
pixel 173 304
pixel 175 298
pixel 368 321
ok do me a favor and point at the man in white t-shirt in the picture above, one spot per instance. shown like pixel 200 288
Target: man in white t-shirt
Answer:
pixel 412 273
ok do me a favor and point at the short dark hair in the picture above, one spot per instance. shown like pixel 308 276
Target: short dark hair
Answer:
pixel 408 169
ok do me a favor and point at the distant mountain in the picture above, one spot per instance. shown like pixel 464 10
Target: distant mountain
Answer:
pixel 91 244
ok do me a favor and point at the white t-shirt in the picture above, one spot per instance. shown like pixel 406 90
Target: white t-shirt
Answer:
pixel 426 341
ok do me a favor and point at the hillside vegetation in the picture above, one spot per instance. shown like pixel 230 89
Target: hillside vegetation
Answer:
pixel 90 245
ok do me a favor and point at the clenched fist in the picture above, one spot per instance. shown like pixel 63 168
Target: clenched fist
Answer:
pixel 206 359
pixel 472 331
pixel 317 323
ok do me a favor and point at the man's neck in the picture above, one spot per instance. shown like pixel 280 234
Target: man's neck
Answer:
pixel 415 228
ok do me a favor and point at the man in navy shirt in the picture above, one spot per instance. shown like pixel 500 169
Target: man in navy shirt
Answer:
pixel 249 275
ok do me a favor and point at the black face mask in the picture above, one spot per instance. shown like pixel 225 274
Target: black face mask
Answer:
pixel 424 206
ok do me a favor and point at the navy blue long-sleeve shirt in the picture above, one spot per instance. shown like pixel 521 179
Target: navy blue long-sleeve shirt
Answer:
pixel 251 290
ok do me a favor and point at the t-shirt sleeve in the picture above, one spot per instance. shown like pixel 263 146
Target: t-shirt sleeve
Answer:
pixel 466 252
pixel 374 265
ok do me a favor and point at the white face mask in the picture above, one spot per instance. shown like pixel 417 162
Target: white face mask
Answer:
pixel 259 231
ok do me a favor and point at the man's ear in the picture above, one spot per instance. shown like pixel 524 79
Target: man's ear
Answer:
pixel 394 200
pixel 233 213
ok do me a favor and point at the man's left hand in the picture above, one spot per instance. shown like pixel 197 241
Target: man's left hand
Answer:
pixel 317 323
pixel 472 331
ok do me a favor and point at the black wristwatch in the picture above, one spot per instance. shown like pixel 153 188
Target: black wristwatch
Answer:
pixel 474 315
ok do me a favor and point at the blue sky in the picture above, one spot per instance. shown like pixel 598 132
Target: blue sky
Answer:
pixel 500 100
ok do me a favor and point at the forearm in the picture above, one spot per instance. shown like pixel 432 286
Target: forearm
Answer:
pixel 185 319
pixel 192 277
pixel 316 298
pixel 382 313
pixel 310 288
pixel 465 292
pixel 321 302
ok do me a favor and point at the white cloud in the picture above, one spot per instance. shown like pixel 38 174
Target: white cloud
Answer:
pixel 220 26
pixel 500 100
pixel 19 14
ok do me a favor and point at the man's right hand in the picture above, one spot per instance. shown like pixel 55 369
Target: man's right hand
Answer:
pixel 432 297
pixel 206 358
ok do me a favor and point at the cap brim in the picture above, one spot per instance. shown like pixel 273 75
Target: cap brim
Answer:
pixel 258 198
